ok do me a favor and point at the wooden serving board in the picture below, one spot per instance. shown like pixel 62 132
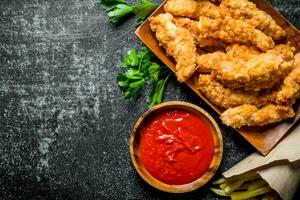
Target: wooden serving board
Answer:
pixel 264 139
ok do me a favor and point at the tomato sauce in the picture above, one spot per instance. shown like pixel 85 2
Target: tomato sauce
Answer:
pixel 176 147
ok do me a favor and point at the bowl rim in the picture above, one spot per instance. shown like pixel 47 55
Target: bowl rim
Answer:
pixel 214 165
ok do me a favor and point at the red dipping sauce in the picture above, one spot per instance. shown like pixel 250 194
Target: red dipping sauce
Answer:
pixel 177 147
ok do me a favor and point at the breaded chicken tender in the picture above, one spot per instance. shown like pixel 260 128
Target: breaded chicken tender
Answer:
pixel 234 31
pixel 263 71
pixel 243 52
pixel 250 115
pixel 207 62
pixel 247 11
pixel 193 27
pixel 224 31
pixel 211 61
pixel 290 88
pixel 227 98
pixel 192 8
pixel 178 43
pixel 285 50
pixel 247 68
pixel 287 53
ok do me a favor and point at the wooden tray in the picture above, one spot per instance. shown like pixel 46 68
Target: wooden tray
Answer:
pixel 263 139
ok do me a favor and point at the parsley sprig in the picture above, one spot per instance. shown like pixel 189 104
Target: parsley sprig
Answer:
pixel 119 9
pixel 141 68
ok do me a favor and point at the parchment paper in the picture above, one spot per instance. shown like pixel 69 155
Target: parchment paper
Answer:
pixel 280 168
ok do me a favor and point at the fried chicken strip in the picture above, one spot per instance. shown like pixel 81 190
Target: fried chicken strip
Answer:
pixel 263 71
pixel 209 61
pixel 290 88
pixel 250 115
pixel 247 68
pixel 246 10
pixel 234 31
pixel 243 52
pixel 287 53
pixel 193 27
pixel 218 32
pixel 226 98
pixel 178 43
pixel 285 50
pixel 192 8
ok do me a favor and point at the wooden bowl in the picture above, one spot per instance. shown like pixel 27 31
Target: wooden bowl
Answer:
pixel 135 147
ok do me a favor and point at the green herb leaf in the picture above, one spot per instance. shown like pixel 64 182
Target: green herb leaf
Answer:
pixel 140 69
pixel 145 57
pixel 154 70
pixel 109 5
pixel 143 9
pixel 123 81
pixel 119 12
pixel 137 84
pixel 131 92
pixel 131 59
pixel 157 92
pixel 119 9
pixel 145 54
pixel 133 74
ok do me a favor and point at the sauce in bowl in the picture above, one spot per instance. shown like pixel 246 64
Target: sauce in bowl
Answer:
pixel 177 147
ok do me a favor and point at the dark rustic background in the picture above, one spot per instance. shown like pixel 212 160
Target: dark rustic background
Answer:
pixel 64 125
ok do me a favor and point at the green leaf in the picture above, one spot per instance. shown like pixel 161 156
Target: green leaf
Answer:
pixel 122 80
pixel 137 84
pixel 109 5
pixel 133 74
pixel 154 70
pixel 119 9
pixel 119 12
pixel 143 9
pixel 140 69
pixel 131 92
pixel 131 59
pixel 157 92
pixel 123 83
pixel 145 56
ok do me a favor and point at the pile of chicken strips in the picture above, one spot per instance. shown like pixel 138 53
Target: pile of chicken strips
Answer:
pixel 236 50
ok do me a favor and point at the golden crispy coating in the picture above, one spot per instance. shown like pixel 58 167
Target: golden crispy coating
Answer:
pixel 290 88
pixel 255 74
pixel 207 62
pixel 245 67
pixel 192 8
pixel 226 98
pixel 287 53
pixel 263 71
pixel 211 61
pixel 234 31
pixel 243 52
pixel 249 115
pixel 247 11
pixel 285 50
pixel 193 27
pixel 178 43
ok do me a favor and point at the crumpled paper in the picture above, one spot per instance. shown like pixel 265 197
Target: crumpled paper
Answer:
pixel 280 168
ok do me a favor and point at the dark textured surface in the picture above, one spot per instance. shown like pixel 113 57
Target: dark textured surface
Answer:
pixel 64 126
